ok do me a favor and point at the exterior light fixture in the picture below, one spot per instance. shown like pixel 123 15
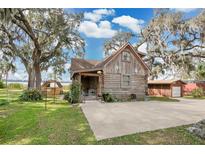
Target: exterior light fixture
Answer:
pixel 99 72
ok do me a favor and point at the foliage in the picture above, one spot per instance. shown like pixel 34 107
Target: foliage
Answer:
pixel 169 39
pixel 200 71
pixel 67 96
pixel 107 97
pixel 133 96
pixel 3 102
pixel 39 38
pixel 31 95
pixel 197 93
pixel 2 84
pixel 117 41
pixel 15 86
pixel 6 65
pixel 73 96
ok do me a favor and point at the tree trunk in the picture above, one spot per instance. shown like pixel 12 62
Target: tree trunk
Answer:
pixel 7 91
pixel 31 78
pixel 38 75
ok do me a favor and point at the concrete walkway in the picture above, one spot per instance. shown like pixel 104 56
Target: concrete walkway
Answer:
pixel 118 119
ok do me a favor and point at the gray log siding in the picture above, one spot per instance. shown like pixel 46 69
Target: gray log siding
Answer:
pixel 113 76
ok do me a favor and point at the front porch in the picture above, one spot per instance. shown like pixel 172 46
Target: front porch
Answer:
pixel 91 83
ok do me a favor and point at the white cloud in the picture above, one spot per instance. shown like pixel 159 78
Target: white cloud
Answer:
pixel 186 10
pixel 129 22
pixel 102 30
pixel 97 15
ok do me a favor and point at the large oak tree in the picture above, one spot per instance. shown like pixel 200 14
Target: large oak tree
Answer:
pixel 41 38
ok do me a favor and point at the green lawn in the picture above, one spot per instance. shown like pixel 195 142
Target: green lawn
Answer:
pixel 29 123
pixel 191 97
pixel 163 99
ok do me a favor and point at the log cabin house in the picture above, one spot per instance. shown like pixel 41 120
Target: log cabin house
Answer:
pixel 121 74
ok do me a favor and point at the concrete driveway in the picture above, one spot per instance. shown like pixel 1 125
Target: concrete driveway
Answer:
pixel 118 119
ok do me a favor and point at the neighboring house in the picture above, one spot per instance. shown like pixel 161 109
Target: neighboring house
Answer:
pixel 191 85
pixel 168 88
pixel 121 74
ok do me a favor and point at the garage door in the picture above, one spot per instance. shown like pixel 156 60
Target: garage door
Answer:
pixel 176 91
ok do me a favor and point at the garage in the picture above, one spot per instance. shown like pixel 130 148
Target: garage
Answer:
pixel 167 88
pixel 176 91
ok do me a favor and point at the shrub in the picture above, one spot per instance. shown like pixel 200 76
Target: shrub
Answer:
pixel 67 96
pixel 31 95
pixel 196 93
pixel 1 84
pixel 133 96
pixel 15 86
pixel 73 96
pixel 3 102
pixel 107 97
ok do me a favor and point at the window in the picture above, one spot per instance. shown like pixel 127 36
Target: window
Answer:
pixel 125 56
pixel 126 80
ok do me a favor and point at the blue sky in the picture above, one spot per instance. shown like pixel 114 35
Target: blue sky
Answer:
pixel 101 24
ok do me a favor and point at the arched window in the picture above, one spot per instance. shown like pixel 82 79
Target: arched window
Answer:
pixel 125 56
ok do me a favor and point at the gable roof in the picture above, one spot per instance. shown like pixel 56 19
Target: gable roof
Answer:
pixel 52 81
pixel 79 65
pixel 136 54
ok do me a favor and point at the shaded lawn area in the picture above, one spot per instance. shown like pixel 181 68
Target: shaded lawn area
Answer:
pixel 161 98
pixel 29 123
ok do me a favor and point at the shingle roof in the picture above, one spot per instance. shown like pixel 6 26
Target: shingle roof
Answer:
pixel 82 64
pixel 162 81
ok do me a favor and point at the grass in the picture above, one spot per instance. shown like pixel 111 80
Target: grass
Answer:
pixel 191 97
pixel 163 99
pixel 62 123
pixel 176 135
pixel 29 123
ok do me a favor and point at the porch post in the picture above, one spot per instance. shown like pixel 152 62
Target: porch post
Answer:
pixel 79 78
pixel 99 81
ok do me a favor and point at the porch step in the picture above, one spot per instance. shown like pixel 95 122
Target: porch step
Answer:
pixel 90 98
